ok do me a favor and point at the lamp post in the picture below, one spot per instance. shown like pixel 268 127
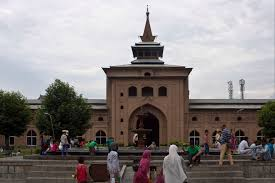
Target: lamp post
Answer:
pixel 51 122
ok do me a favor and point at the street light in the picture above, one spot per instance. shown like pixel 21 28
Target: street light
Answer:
pixel 51 122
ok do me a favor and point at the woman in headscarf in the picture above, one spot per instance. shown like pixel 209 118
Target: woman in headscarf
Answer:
pixel 141 176
pixel 173 167
pixel 113 162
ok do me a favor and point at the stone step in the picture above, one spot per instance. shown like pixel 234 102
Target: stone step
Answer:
pixel 260 180
pixel 214 167
pixel 216 180
pixel 51 174
pixel 53 167
pixel 211 173
pixel 50 180
pixel 5 180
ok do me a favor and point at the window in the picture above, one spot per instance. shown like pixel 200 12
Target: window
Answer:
pixel 147 54
pixel 260 135
pixel 147 91
pixel 239 136
pixel 31 138
pixel 132 91
pixel 100 119
pixel 194 118
pixel 162 91
pixel 217 119
pixel 121 119
pixel 194 137
pixel 121 94
pixel 239 118
pixel 121 132
pixel 100 137
pixel 121 107
pixel 11 140
pixel 147 74
pixel 140 54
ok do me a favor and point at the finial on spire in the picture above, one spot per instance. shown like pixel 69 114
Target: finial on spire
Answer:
pixel 147 34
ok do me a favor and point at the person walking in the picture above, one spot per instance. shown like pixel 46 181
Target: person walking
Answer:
pixel 81 174
pixel 142 174
pixel 64 142
pixel 225 145
pixel 173 167
pixel 113 162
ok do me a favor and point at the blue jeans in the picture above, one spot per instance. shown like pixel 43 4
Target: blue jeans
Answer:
pixel 64 149
pixel 206 148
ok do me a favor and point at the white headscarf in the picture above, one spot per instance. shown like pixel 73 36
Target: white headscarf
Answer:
pixel 173 167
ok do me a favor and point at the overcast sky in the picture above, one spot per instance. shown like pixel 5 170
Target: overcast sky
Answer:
pixel 71 40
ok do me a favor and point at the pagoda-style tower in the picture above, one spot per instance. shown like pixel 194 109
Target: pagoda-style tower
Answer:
pixel 147 51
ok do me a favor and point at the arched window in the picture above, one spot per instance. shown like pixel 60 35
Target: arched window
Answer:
pixel 217 118
pixel 162 91
pixel 239 136
pixel 194 137
pixel 31 138
pixel 100 137
pixel 132 91
pixel 260 135
pixel 100 119
pixel 147 91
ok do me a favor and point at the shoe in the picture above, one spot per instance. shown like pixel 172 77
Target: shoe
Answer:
pixel 190 166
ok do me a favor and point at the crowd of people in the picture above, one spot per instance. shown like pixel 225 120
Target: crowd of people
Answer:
pixel 174 168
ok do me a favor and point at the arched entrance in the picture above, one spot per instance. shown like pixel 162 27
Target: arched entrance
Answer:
pixel 153 119
pixel 150 122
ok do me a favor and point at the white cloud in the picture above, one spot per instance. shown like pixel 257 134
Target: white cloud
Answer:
pixel 44 40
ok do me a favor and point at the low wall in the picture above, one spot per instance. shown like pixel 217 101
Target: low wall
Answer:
pixel 14 169
pixel 259 169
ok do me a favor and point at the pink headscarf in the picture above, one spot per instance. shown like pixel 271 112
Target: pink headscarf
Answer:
pixel 143 169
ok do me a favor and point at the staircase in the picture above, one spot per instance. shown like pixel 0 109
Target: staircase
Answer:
pixel 210 171
pixel 54 172
pixel 215 174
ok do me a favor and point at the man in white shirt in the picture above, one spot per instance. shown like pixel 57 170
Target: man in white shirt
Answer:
pixel 243 147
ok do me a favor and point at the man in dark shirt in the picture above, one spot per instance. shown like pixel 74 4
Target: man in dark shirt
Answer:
pixel 225 145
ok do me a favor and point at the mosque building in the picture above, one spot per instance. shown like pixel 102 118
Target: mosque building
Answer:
pixel 159 91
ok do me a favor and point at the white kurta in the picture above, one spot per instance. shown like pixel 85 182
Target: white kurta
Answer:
pixel 173 167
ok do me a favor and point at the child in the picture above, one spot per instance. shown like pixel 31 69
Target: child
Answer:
pixel 81 174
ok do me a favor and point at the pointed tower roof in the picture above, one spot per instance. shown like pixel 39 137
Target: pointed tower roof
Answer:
pixel 147 51
pixel 147 34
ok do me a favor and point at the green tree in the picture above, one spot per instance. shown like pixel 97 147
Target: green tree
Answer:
pixel 266 118
pixel 15 114
pixel 63 109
